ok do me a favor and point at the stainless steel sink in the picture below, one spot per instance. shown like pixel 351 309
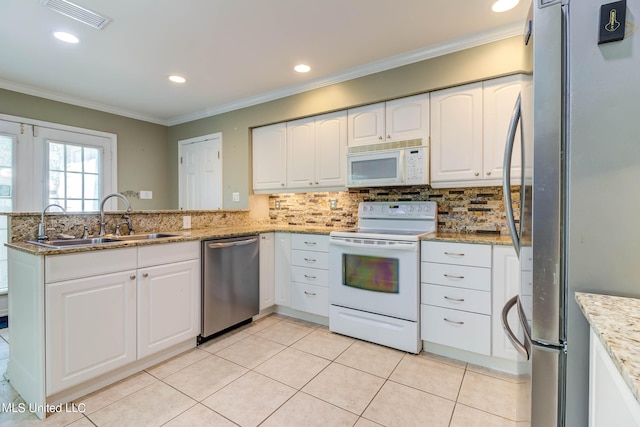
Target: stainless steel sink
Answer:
pixel 69 243
pixel 149 236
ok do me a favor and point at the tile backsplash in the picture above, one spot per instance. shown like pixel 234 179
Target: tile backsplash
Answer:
pixel 460 210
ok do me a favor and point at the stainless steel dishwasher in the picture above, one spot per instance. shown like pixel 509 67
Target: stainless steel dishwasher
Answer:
pixel 230 283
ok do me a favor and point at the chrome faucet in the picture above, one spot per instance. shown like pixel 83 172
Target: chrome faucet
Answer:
pixel 107 197
pixel 42 236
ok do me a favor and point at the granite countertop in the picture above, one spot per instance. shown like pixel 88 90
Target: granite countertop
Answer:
pixel 616 322
pixel 219 232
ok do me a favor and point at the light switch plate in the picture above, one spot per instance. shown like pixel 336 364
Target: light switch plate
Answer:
pixel 146 194
pixel 236 197
pixel 186 221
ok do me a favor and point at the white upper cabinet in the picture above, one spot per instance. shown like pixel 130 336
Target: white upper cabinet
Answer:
pixel 366 124
pixel 301 142
pixel 331 147
pixel 397 120
pixel 499 99
pixel 456 134
pixel 407 118
pixel 469 128
pixel 316 150
pixel 270 157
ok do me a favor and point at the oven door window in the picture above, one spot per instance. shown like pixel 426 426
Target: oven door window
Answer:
pixel 378 274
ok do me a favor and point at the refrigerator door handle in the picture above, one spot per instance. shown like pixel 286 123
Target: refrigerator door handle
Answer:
pixel 521 347
pixel 506 173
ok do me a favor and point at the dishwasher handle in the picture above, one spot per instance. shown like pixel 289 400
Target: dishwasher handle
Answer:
pixel 227 245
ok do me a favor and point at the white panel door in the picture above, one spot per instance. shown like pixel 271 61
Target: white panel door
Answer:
pixel 91 328
pixel 301 141
pixel 331 149
pixel 456 134
pixel 168 305
pixel 407 118
pixel 200 172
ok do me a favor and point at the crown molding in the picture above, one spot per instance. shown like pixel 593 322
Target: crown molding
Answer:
pixel 452 46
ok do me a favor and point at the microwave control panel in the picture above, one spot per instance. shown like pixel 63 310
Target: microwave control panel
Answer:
pixel 416 166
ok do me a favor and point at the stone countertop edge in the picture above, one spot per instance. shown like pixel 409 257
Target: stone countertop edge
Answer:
pixel 616 322
pixel 221 232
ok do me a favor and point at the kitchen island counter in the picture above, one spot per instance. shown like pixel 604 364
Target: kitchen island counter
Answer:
pixel 616 322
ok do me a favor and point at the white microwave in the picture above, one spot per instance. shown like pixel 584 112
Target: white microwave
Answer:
pixel 395 167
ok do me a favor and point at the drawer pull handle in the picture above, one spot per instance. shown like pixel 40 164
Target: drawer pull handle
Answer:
pixel 310 243
pixel 453 254
pixel 449 276
pixel 454 299
pixel 453 321
pixel 309 277
pixel 311 294
pixel 310 260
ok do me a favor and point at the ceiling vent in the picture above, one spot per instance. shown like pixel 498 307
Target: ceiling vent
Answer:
pixel 77 12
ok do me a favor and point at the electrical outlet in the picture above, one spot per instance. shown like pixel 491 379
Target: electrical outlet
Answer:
pixel 146 194
pixel 333 203
pixel 236 197
pixel 277 204
pixel 186 221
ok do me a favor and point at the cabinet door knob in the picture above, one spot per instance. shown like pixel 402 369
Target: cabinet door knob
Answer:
pixel 282 184
pixel 477 173
pixel 132 277
pixel 380 137
pixel 388 136
pixel 489 173
pixel 310 183
pixel 145 275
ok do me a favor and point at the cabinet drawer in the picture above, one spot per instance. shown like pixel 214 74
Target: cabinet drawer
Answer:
pixel 310 298
pixel 455 328
pixel 310 242
pixel 310 259
pixel 457 253
pixel 312 276
pixel 166 253
pixel 456 298
pixel 85 264
pixel 459 276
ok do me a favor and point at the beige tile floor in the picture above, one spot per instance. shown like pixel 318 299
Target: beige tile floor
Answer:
pixel 280 371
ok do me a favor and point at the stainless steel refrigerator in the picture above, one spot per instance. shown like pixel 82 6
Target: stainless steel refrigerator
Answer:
pixel 579 222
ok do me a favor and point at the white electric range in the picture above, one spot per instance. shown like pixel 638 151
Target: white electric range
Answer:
pixel 374 273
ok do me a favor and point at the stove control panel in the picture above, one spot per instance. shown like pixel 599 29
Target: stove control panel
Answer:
pixel 398 210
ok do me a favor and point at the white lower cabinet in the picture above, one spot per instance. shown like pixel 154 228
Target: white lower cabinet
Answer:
pixel 310 273
pixel 267 270
pixel 456 295
pixel 282 273
pixel 91 328
pixel 103 311
pixel 168 305
pixel 611 402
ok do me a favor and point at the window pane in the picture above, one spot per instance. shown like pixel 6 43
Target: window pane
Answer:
pixel 91 205
pixel 56 185
pixel 91 160
pixel 74 185
pixel 74 158
pixel 60 202
pixel 56 156
pixel 74 205
pixel 6 151
pixel 91 186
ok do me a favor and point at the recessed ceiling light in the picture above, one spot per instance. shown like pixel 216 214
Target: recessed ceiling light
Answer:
pixel 66 37
pixel 177 79
pixel 302 68
pixel 504 5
